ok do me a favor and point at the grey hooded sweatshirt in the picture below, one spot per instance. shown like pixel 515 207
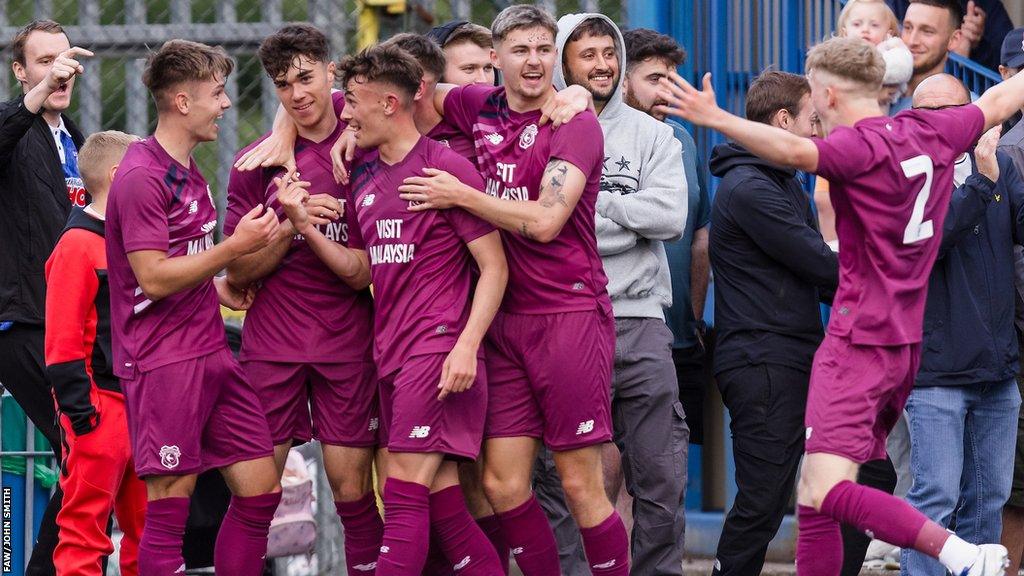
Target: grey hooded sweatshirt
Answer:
pixel 642 201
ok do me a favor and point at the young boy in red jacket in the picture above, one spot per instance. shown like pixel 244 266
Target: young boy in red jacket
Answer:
pixel 97 472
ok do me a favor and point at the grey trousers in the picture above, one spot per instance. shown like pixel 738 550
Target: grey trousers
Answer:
pixel 651 433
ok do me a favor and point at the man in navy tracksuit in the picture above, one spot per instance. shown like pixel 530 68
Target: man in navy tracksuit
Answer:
pixel 962 414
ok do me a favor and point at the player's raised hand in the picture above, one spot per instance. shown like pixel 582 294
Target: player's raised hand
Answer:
pixel 458 372
pixel 343 151
pixel 66 66
pixel 985 153
pixel 565 105
pixel 255 230
pixel 435 190
pixel 686 102
pixel 231 296
pixel 293 193
pixel 275 150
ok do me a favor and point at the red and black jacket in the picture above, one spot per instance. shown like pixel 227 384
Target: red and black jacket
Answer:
pixel 78 353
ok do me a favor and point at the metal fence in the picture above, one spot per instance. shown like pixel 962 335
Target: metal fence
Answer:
pixel 736 40
pixel 110 95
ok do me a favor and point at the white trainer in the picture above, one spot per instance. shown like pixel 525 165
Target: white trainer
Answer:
pixel 992 561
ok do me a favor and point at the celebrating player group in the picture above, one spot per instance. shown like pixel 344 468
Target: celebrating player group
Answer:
pixel 422 256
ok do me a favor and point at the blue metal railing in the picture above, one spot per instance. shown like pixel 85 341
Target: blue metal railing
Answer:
pixel 737 40
pixel 976 77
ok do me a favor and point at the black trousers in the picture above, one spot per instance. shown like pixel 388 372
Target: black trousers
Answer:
pixel 693 372
pixel 766 405
pixel 22 373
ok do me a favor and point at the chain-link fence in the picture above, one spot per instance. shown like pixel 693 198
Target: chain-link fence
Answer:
pixel 110 95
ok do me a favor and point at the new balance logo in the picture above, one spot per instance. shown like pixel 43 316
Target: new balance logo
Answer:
pixel 419 432
pixel 365 567
pixel 368 199
pixel 193 207
pixel 585 428
pixel 517 551
pixel 495 138
pixel 374 424
pixel 608 564
pixel 462 564
pixel 385 549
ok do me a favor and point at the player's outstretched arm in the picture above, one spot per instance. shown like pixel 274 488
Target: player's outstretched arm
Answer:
pixel 160 275
pixel 352 266
pixel 459 371
pixel 768 142
pixel 540 220
pixel 278 149
pixel 1002 101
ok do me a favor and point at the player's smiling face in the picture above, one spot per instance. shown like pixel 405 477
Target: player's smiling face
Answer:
pixel 305 91
pixel 366 110
pixel 207 101
pixel 41 49
pixel 466 63
pixel 593 62
pixel 526 58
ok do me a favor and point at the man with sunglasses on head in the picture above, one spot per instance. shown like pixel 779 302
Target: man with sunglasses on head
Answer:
pixel 965 395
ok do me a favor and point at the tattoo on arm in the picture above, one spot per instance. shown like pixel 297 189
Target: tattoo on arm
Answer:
pixel 524 231
pixel 553 192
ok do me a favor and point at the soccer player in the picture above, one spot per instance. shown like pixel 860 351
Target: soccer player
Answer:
pixel 892 179
pixel 313 371
pixel 190 407
pixel 97 471
pixel 428 329
pixel 642 202
pixel 432 125
pixel 468 53
pixel 550 348
pixel 429 122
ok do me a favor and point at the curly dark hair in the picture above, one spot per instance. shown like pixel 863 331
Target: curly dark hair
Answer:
pixel 279 50
pixel 385 63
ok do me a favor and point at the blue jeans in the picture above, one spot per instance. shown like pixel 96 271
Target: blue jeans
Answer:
pixel 962 441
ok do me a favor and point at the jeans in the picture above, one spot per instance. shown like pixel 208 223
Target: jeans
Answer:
pixel 962 442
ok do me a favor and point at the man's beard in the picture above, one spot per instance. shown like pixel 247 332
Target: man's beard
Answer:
pixel 649 110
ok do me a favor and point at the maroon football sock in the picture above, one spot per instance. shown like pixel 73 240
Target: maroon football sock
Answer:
pixel 162 534
pixel 406 528
pixel 884 517
pixel 242 540
pixel 530 537
pixel 491 528
pixel 819 546
pixel 468 550
pixel 364 531
pixel 607 547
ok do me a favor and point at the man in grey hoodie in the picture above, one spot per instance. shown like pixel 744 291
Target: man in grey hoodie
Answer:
pixel 642 203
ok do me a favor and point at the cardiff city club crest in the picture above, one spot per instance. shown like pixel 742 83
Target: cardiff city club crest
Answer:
pixel 528 137
pixel 170 456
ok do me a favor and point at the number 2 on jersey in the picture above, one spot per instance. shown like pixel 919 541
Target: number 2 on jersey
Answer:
pixel 918 230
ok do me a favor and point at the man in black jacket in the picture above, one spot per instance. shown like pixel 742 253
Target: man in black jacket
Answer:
pixel 962 413
pixel 39 183
pixel 771 270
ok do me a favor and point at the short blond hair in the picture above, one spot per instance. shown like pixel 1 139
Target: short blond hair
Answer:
pixel 100 152
pixel 844 16
pixel 849 60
